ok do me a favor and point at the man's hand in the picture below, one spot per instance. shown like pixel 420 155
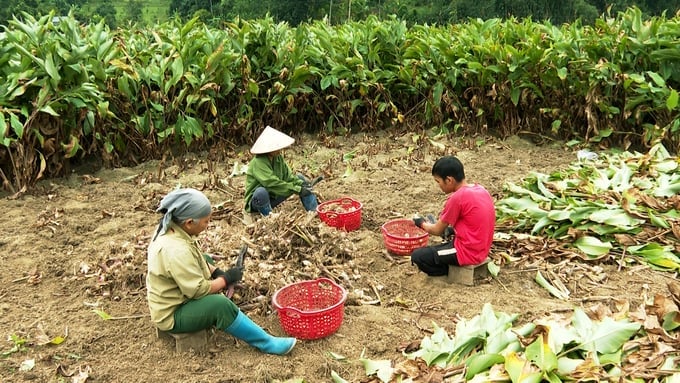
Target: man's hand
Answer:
pixel 419 221
pixel 304 192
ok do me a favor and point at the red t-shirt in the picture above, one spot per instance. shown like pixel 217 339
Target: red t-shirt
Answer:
pixel 471 212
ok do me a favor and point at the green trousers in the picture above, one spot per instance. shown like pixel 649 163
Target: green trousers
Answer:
pixel 214 310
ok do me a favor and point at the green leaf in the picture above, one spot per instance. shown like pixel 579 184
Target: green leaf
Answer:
pixel 554 291
pixel 672 100
pixel 17 126
pixel 4 128
pixel 436 348
pixel 656 254
pixel 102 314
pixel 253 88
pixel 349 156
pixel 671 321
pixel 566 366
pixel 559 215
pixel 48 109
pixel 188 26
pixel 542 355
pixel 51 69
pixel 326 82
pixel 177 72
pixel 71 148
pixel 348 171
pixel 437 91
pixel 336 356
pixel 658 80
pixel 520 370
pixel 481 362
pixel 381 368
pixel 605 337
pixel 562 73
pixel 657 220
pixel 514 95
pixel 493 268
pixel 522 206
pixel 593 246
pixel 337 378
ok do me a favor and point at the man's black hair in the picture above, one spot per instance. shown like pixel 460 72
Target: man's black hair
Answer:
pixel 449 166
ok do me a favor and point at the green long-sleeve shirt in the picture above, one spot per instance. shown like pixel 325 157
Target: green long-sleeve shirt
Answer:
pixel 177 272
pixel 274 175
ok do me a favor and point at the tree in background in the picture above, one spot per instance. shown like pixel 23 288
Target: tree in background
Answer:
pixel 15 7
pixel 295 12
pixel 206 10
pixel 134 11
pixel 107 12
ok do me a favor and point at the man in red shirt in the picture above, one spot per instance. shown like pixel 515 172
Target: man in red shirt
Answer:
pixel 469 210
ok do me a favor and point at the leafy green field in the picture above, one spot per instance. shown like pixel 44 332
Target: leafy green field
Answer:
pixel 130 94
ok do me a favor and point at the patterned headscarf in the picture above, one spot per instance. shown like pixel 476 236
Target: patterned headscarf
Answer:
pixel 180 205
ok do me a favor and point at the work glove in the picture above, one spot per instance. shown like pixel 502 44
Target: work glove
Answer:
pixel 231 276
pixel 448 232
pixel 419 221
pixel 304 192
pixel 216 273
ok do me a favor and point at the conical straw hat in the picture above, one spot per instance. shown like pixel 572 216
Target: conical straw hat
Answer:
pixel 271 140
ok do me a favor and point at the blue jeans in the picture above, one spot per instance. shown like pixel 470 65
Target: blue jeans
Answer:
pixel 263 203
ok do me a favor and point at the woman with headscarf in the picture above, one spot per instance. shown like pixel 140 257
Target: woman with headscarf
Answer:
pixel 183 288
pixel 269 179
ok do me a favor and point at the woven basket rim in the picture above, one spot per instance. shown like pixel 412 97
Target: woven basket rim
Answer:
pixel 330 308
pixel 335 201
pixel 386 232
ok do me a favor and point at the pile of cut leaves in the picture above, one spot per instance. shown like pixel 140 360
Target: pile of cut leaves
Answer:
pixel 622 206
pixel 598 344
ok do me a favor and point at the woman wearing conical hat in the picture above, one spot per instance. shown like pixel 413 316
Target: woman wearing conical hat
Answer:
pixel 269 179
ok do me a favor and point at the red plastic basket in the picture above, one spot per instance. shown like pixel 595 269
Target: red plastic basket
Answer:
pixel 343 213
pixel 310 309
pixel 402 236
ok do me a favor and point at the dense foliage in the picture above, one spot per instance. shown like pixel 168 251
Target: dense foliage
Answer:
pixel 335 11
pixel 75 90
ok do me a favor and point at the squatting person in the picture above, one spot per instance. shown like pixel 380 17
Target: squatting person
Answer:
pixel 183 289
pixel 269 179
pixel 469 211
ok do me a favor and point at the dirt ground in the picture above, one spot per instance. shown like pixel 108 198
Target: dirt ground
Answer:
pixel 76 245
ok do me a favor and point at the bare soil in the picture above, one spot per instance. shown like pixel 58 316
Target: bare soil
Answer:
pixel 77 245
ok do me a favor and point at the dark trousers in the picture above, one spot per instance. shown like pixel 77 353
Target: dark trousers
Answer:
pixel 435 260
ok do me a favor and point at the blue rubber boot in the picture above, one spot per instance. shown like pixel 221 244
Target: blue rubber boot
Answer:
pixel 245 329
